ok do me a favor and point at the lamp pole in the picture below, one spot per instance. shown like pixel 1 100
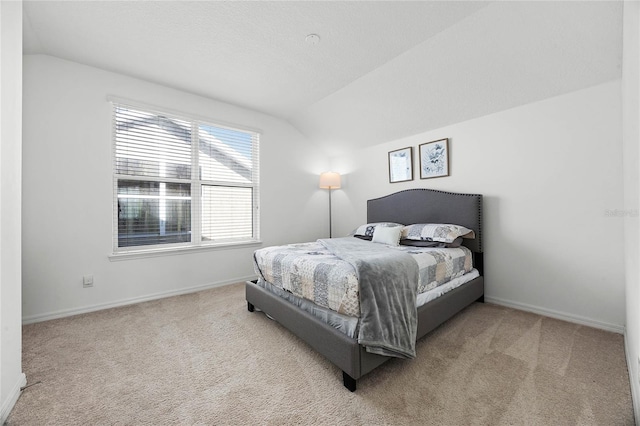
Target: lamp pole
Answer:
pixel 330 180
pixel 330 213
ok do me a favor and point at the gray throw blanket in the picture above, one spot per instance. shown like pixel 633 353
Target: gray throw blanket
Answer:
pixel 388 285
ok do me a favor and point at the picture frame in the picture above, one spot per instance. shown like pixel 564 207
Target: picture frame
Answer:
pixel 434 158
pixel 401 165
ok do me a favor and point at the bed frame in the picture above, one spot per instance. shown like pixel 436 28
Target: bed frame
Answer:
pixel 406 207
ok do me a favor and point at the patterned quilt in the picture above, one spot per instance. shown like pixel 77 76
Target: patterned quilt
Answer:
pixel 310 271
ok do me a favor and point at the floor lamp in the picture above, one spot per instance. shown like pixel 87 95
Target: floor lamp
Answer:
pixel 330 180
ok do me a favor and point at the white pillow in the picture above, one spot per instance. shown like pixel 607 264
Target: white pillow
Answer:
pixel 367 230
pixel 387 235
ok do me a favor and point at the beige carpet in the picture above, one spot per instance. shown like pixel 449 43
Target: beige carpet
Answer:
pixel 204 359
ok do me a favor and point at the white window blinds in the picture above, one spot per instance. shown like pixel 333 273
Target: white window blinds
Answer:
pixel 182 182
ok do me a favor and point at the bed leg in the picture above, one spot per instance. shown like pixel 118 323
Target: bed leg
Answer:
pixel 349 382
pixel 480 299
pixel 250 307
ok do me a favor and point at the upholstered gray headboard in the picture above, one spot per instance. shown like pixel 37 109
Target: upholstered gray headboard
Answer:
pixel 430 206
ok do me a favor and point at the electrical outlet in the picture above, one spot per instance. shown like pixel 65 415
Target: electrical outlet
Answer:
pixel 87 281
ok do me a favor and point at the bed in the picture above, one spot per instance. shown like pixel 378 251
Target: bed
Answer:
pixel 414 206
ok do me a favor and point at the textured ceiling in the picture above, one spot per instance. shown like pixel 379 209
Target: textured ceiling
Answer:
pixel 381 71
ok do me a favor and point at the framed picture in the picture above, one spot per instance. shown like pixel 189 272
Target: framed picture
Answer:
pixel 401 165
pixel 434 159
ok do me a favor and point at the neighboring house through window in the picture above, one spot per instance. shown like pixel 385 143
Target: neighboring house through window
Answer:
pixel 182 182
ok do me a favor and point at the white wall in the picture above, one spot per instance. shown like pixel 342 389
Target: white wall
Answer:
pixel 631 142
pixel 11 376
pixel 67 197
pixel 549 172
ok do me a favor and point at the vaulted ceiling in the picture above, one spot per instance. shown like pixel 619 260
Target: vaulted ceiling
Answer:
pixel 381 70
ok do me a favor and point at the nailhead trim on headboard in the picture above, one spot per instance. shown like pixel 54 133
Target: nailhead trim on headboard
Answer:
pixel 382 211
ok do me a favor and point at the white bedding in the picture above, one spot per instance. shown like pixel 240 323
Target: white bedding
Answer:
pixel 312 272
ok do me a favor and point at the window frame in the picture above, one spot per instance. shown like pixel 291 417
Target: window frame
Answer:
pixel 195 182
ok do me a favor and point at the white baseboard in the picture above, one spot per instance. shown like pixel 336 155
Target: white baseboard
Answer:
pixel 557 315
pixel 635 382
pixel 12 398
pixel 91 308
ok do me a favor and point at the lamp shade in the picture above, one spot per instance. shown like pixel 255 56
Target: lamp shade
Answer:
pixel 330 180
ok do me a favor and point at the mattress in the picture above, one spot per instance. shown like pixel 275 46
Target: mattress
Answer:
pixel 311 272
pixel 349 324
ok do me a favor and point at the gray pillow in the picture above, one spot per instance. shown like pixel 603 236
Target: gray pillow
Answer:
pixel 443 232
pixel 422 243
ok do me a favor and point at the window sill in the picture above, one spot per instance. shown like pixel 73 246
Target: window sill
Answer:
pixel 172 251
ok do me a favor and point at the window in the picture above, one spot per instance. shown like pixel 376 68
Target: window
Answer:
pixel 182 182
